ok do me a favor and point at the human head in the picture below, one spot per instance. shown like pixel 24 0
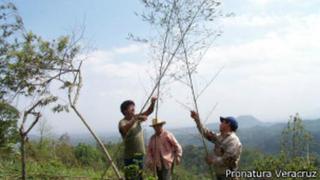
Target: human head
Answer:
pixel 127 108
pixel 158 129
pixel 228 124
pixel 157 125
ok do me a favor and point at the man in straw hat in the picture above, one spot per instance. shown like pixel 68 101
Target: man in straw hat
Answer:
pixel 227 149
pixel 163 151
pixel 132 135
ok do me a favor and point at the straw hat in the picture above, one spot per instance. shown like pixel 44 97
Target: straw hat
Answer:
pixel 156 121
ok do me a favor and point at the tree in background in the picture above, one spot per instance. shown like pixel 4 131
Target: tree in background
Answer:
pixel 36 70
pixel 296 140
pixel 88 155
pixel 8 128
pixel 44 148
pixel 10 25
pixel 65 151
pixel 294 155
pixel 29 67
pixel 45 130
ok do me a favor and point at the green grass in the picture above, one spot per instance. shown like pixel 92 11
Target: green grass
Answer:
pixel 47 170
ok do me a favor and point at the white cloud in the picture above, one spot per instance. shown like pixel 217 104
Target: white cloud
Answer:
pixel 99 57
pixel 273 75
pixel 132 48
pixel 292 44
pixel 268 2
pixel 249 21
pixel 120 62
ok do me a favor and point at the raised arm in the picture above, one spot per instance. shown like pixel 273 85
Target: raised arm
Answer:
pixel 125 126
pixel 151 107
pixel 209 135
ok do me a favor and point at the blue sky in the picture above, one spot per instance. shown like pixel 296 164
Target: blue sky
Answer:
pixel 270 49
pixel 107 22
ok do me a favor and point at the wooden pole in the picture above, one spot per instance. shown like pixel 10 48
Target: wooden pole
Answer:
pixel 104 149
pixel 72 105
pixel 196 107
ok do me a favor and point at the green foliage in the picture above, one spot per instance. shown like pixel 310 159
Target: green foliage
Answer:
pixel 40 152
pixel 193 159
pixel 8 128
pixel 248 156
pixel 275 163
pixel 65 151
pixel 10 25
pixel 296 139
pixel 29 64
pixel 35 63
pixel 88 155
pixel 51 169
pixel 66 161
pixel 183 172
pixel 58 159
pixel 133 171
pixel 295 154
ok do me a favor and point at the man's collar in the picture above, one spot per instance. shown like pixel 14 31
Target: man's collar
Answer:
pixel 128 119
pixel 227 134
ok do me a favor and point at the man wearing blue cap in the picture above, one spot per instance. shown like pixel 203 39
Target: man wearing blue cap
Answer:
pixel 227 149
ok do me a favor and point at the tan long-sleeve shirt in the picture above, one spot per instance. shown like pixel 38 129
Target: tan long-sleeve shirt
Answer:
pixel 227 149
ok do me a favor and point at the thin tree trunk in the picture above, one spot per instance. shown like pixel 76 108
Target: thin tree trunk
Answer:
pixel 23 156
pixel 23 136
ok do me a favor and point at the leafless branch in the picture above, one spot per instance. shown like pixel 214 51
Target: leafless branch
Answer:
pixel 210 113
pixel 210 82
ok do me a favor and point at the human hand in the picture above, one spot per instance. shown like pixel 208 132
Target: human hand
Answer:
pixel 154 99
pixel 178 160
pixel 209 160
pixel 210 135
pixel 141 118
pixel 194 115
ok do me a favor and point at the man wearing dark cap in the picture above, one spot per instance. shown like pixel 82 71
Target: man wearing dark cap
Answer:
pixel 132 135
pixel 227 149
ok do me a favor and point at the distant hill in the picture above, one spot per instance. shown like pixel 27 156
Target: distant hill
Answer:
pixel 248 121
pixel 253 133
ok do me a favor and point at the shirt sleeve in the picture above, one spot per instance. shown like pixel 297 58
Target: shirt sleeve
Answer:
pixel 120 126
pixel 207 133
pixel 175 144
pixel 231 154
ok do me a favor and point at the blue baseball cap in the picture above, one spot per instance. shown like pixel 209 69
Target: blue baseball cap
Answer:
pixel 231 120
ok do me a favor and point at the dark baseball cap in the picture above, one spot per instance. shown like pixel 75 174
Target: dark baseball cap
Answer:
pixel 231 120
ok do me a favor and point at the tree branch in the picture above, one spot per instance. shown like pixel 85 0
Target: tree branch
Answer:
pixel 33 124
